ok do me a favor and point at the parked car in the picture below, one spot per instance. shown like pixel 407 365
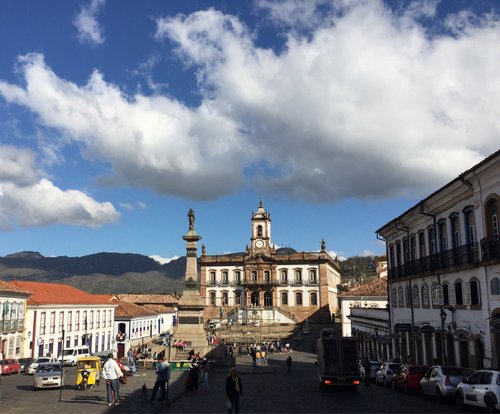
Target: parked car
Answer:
pixel 10 366
pixel 34 365
pixel 441 381
pixel 407 377
pixel 384 374
pixel 48 375
pixel 374 367
pixel 481 389
pixel 25 363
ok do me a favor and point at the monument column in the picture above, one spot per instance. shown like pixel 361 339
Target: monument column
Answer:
pixel 190 309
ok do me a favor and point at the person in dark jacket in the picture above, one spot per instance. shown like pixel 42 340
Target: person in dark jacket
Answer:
pixel 234 389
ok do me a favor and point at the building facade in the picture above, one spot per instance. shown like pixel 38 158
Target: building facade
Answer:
pixel 59 315
pixel 266 285
pixel 444 273
pixel 13 333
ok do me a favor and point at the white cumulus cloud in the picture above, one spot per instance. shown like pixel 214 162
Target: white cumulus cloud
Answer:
pixel 89 29
pixel 29 199
pixel 365 103
pixel 163 260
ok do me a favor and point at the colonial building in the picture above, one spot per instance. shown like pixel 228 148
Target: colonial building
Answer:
pixel 285 286
pixel 58 314
pixel 165 306
pixel 444 272
pixel 13 333
pixel 134 325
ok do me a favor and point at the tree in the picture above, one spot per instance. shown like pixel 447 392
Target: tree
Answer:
pixel 357 270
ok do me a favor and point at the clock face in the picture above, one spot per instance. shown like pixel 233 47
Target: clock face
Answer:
pixel 259 244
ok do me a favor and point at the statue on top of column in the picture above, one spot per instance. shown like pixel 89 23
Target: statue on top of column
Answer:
pixel 191 219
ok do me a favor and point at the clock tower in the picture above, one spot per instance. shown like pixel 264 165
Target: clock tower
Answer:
pixel 261 230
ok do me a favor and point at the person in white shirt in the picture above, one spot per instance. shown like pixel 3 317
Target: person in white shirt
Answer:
pixel 111 372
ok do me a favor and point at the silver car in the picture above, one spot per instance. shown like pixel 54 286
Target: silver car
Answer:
pixel 441 381
pixel 48 375
pixel 384 374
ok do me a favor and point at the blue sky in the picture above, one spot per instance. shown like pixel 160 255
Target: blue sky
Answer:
pixel 116 117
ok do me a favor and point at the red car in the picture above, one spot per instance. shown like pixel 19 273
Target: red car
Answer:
pixel 10 366
pixel 407 377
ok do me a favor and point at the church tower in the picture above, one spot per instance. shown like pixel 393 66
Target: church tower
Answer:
pixel 261 231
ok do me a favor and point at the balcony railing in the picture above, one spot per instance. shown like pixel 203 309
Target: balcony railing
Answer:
pixel 259 282
pixel 490 249
pixel 11 325
pixel 462 255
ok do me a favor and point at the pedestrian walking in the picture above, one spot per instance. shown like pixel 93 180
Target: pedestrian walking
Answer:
pixel 204 375
pixel 289 364
pixel 111 372
pixel 234 390
pixel 162 378
pixel 253 354
pixel 366 371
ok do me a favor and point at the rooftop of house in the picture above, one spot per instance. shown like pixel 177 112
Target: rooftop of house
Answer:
pixel 6 287
pixel 377 287
pixel 57 294
pixel 130 310
pixel 148 299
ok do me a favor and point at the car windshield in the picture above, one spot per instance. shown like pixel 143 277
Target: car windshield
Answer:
pixel 394 366
pixel 49 368
pixel 418 370
pixel 67 352
pixel 40 360
pixel 24 360
pixel 459 372
pixel 4 362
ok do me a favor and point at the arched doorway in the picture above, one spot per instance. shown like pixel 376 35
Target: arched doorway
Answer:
pixel 495 330
pixel 428 349
pixel 450 349
pixel 463 352
pixel 268 299
pixel 404 349
pixel 479 353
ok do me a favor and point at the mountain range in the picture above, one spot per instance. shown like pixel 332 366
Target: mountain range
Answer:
pixel 110 273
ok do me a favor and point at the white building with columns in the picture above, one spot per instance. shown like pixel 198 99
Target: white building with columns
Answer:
pixel 56 309
pixel 444 272
pixel 272 285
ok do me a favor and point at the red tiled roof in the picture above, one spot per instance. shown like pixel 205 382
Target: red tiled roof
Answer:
pixel 11 288
pixel 58 294
pixel 160 308
pixel 145 298
pixel 377 287
pixel 130 310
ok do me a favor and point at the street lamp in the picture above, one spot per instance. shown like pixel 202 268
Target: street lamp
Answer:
pixel 443 316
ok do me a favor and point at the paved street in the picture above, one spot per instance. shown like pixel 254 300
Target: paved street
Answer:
pixel 266 389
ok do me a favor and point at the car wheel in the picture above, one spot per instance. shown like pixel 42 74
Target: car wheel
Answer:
pixel 459 399
pixel 490 404
pixel 439 395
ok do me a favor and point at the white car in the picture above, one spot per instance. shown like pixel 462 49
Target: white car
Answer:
pixel 34 365
pixel 481 389
pixel 384 374
pixel 441 381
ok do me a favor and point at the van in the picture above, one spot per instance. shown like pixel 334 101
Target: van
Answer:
pixel 69 356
